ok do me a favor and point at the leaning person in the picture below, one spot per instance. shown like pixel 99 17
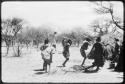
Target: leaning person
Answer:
pixel 83 48
pixel 98 55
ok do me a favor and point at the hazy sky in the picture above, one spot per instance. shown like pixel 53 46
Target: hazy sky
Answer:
pixel 61 15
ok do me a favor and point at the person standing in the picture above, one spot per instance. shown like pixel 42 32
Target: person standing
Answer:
pixel 46 52
pixel 98 55
pixel 115 56
pixel 119 66
pixel 66 44
pixel 53 38
pixel 83 48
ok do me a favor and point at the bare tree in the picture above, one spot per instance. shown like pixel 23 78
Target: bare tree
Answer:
pixel 77 35
pixel 108 9
pixel 99 27
pixel 10 28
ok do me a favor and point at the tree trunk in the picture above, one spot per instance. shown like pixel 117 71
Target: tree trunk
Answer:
pixel 7 49
pixel 27 45
pixel 18 51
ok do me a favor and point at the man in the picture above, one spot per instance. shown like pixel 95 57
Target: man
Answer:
pixel 115 54
pixel 83 48
pixel 119 66
pixel 98 55
pixel 66 44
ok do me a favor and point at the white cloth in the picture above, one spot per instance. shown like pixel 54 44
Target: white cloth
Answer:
pixel 46 54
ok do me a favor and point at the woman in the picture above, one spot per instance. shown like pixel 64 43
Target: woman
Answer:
pixel 98 55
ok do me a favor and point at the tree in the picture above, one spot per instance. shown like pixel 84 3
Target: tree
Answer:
pixel 107 8
pixel 37 35
pixel 100 26
pixel 10 28
pixel 77 35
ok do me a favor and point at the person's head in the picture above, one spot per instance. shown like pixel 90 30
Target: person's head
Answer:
pixel 54 45
pixel 87 39
pixel 55 32
pixel 116 40
pixel 46 41
pixel 98 39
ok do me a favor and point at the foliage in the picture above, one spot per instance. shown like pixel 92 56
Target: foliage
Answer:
pixel 107 8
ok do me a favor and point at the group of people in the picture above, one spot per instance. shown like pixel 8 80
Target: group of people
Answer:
pixel 97 53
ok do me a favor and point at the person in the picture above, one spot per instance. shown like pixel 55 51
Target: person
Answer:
pixel 108 51
pixel 119 66
pixel 98 55
pixel 52 38
pixel 46 52
pixel 66 44
pixel 83 48
pixel 115 56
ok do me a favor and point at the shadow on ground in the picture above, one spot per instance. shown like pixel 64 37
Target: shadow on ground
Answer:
pixel 38 70
pixel 90 71
pixel 38 73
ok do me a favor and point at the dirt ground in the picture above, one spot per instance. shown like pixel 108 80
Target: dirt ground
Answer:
pixel 27 69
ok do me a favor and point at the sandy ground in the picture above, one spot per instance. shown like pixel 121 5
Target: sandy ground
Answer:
pixel 26 69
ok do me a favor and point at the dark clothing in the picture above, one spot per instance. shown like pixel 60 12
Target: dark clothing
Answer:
pixel 70 42
pixel 45 63
pixel 66 48
pixel 83 48
pixel 83 53
pixel 66 44
pixel 116 53
pixel 64 41
pixel 43 47
pixel 115 56
pixel 66 54
pixel 66 51
pixel 117 49
pixel 98 55
pixel 119 66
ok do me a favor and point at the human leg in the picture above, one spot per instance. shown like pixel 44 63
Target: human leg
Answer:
pixel 83 55
pixel 65 61
pixel 45 66
pixel 66 55
pixel 83 61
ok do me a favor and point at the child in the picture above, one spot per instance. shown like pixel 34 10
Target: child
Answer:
pixel 47 52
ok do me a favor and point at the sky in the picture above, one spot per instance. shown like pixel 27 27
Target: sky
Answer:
pixel 60 15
